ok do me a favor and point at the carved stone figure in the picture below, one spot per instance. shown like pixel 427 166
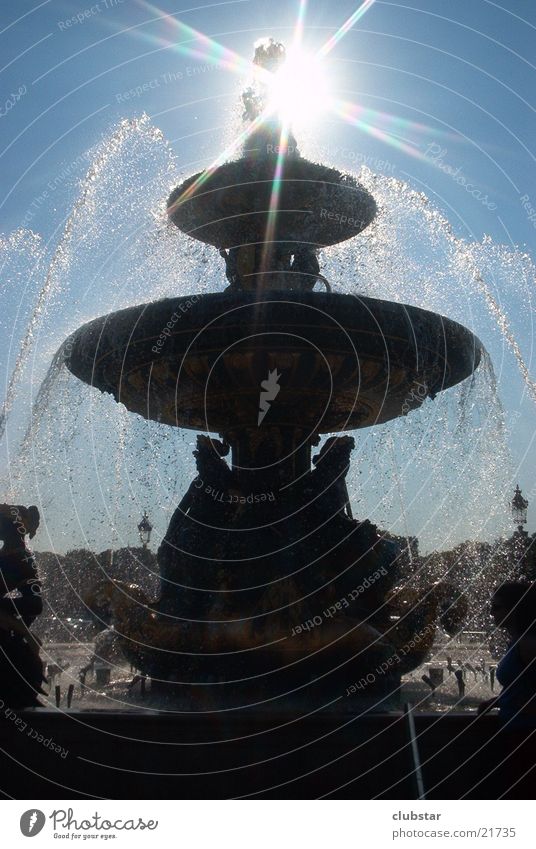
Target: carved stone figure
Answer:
pixel 21 669
pixel 329 476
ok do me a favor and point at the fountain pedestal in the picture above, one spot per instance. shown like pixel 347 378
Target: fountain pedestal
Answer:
pixel 266 578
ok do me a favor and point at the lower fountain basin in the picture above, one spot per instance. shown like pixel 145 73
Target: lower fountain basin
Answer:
pixel 342 361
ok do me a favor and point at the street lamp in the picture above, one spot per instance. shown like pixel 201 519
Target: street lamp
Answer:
pixel 519 510
pixel 144 530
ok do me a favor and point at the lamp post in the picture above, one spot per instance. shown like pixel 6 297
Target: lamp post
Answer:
pixel 519 511
pixel 144 529
pixel 524 563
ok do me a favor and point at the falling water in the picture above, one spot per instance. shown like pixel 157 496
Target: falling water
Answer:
pixel 97 467
pixel 21 255
pixel 453 451
pixel 58 269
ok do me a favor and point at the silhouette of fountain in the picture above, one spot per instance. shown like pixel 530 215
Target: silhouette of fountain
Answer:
pixel 270 588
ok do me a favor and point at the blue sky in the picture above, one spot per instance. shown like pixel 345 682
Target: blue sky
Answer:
pixel 463 67
pixel 463 70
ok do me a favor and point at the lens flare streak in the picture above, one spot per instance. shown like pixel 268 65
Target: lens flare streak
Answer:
pixel 298 30
pixel 346 27
pixel 282 151
pixel 358 116
pixel 237 142
pixel 208 49
pixel 276 191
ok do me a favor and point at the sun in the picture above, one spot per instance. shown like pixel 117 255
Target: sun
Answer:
pixel 298 91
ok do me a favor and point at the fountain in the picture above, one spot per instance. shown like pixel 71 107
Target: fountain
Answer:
pixel 271 591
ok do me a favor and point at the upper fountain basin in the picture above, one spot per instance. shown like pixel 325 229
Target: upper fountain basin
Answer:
pixel 342 361
pixel 316 205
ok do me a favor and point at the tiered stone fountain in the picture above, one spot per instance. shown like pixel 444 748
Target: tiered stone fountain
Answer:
pixel 272 592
